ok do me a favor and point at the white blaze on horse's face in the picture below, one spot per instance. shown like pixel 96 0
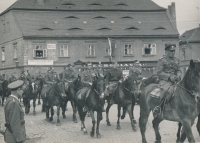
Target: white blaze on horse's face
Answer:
pixel 33 86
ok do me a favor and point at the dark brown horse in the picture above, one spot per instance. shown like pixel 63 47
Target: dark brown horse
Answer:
pixel 123 97
pixel 55 97
pixel 30 93
pixel 184 105
pixel 94 102
pixel 40 84
pixel 71 91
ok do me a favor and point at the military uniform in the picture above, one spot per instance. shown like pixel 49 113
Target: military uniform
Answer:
pixel 51 77
pixel 39 76
pixel 68 75
pixel 88 76
pixel 135 72
pixel 14 117
pixel 166 68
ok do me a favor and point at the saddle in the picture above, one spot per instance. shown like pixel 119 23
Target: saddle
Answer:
pixel 83 93
pixel 156 93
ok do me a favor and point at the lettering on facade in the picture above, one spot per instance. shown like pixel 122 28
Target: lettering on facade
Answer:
pixel 40 62
pixel 51 46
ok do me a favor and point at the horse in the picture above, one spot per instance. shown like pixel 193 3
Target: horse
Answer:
pixel 71 94
pixel 123 98
pixel 5 92
pixel 55 97
pixel 30 93
pixel 184 105
pixel 94 101
pixel 40 84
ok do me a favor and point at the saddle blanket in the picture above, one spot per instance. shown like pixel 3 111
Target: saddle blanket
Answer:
pixel 156 93
pixel 83 93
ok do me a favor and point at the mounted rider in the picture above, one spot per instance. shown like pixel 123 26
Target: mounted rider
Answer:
pixel 39 76
pixel 29 77
pixel 51 76
pixel 2 78
pixel 12 78
pixel 168 70
pixel 114 76
pixel 68 75
pixel 135 74
pixel 23 76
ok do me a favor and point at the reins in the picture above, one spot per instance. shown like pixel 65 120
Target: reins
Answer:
pixel 191 92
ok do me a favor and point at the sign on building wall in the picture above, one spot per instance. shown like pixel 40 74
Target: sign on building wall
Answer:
pixel 125 73
pixel 40 62
pixel 51 46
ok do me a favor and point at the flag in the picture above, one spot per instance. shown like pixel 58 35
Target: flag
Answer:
pixel 111 47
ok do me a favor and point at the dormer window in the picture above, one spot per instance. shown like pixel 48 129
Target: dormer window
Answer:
pixel 132 28
pixel 121 4
pixel 99 17
pixel 159 28
pixel 46 28
pixel 126 17
pixel 72 17
pixel 68 4
pixel 95 4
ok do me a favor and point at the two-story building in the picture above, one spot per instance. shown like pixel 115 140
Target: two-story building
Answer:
pixel 189 47
pixel 36 34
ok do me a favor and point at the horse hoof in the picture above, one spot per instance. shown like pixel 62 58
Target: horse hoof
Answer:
pixel 134 129
pixel 122 117
pixel 92 134
pixel 81 128
pixel 134 121
pixel 85 132
pixel 75 121
pixel 118 127
pixel 108 123
pixel 39 103
pixel 98 135
pixel 58 124
pixel 157 142
pixel 64 117
pixel 50 119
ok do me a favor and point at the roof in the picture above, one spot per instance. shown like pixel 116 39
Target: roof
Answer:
pixel 99 24
pixel 137 5
pixel 192 35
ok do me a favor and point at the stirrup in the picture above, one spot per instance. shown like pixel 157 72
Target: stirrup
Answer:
pixel 85 109
pixel 156 109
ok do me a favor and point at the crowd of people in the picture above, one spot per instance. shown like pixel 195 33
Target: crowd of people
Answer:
pixel 168 71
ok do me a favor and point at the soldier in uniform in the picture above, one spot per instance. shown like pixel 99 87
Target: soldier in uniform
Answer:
pixel 168 70
pixel 29 77
pixel 51 76
pixel 135 74
pixel 113 77
pixel 14 116
pixel 39 76
pixel 2 78
pixel 12 78
pixel 22 76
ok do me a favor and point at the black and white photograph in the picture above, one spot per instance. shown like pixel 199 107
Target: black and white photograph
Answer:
pixel 93 71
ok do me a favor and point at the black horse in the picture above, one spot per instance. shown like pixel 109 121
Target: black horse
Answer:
pixel 94 101
pixel 40 84
pixel 184 105
pixel 4 91
pixel 30 93
pixel 71 94
pixel 123 97
pixel 55 97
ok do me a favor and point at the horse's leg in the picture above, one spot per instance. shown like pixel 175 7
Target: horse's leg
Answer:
pixel 93 123
pixel 129 109
pixel 144 114
pixel 107 112
pixel 82 118
pixel 198 124
pixel 123 113
pixel 34 105
pixel 52 113
pixel 118 116
pixel 99 118
pixel 64 109
pixel 47 112
pixel 74 111
pixel 39 96
pixel 179 132
pixel 43 105
pixel 58 115
pixel 156 121
pixel 187 132
pixel 132 109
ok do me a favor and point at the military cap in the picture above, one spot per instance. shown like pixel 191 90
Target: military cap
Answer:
pixel 16 84
pixel 169 47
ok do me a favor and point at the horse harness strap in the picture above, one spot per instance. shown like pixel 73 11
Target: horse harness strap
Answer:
pixel 185 89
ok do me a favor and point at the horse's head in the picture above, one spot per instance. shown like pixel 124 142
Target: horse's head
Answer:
pixel 99 86
pixel 192 80
pixel 60 89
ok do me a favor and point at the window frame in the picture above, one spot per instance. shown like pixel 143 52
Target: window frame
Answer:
pixel 153 49
pixel 89 50
pixel 129 50
pixel 64 51
pixel 15 51
pixel 3 57
pixel 42 48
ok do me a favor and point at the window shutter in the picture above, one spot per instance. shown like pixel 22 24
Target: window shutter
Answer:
pixel 153 52
pixel 34 53
pixel 66 51
pixel 94 51
pixel 143 51
pixel 45 53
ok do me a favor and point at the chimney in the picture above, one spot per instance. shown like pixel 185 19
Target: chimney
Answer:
pixel 172 13
pixel 40 2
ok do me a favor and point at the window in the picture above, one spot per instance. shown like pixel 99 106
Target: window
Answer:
pixel 149 49
pixel 2 54
pixel 127 49
pixel 183 54
pixel 107 50
pixel 91 50
pixel 15 50
pixel 63 50
pixel 4 28
pixel 39 51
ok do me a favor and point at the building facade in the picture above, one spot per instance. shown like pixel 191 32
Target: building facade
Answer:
pixel 36 34
pixel 189 47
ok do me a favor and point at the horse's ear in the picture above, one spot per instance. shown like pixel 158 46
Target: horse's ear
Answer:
pixel 192 65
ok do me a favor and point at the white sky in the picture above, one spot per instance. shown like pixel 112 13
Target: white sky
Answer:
pixel 187 12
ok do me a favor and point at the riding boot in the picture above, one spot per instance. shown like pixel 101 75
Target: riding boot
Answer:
pixel 158 109
pixel 103 110
pixel 112 100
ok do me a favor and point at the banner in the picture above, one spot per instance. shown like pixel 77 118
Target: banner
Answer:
pixel 111 46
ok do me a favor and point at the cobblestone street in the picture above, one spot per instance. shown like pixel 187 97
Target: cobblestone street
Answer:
pixel 41 131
